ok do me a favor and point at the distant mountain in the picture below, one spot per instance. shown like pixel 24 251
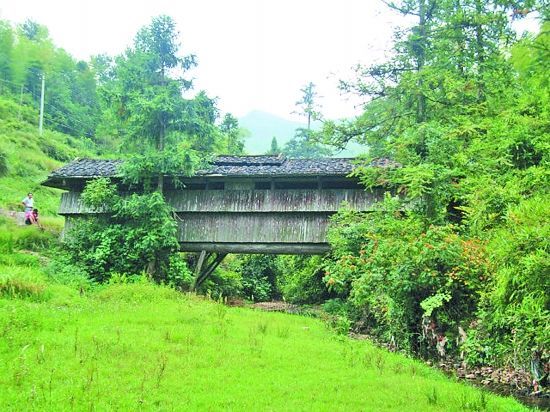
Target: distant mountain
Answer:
pixel 263 126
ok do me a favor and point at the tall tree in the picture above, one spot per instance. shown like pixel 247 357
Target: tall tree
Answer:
pixel 274 148
pixel 233 135
pixel 303 145
pixel 308 105
pixel 447 73
pixel 147 96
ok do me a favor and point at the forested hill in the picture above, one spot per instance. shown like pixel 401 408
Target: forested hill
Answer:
pixel 80 96
pixel 86 99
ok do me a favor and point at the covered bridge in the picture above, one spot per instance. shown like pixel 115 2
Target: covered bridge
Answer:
pixel 243 204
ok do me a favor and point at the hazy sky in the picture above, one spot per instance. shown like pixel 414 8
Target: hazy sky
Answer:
pixel 253 55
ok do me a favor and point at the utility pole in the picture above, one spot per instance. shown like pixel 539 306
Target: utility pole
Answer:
pixel 20 102
pixel 41 121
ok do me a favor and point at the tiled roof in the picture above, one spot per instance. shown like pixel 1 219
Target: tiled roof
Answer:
pixel 87 168
pixel 268 166
pixel 277 166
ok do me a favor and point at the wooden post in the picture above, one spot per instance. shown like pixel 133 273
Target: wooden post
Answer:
pixel 198 268
pixel 209 269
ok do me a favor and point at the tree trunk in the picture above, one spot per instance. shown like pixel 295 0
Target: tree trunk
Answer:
pixel 421 61
pixel 480 52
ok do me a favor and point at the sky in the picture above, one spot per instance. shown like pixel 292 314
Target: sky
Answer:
pixel 252 55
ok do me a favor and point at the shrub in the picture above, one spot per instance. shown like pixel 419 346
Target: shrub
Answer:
pixel 515 309
pixel 300 279
pixel 56 150
pixel 412 285
pixel 134 234
pixel 226 281
pixel 62 271
pixel 258 277
pixel 4 166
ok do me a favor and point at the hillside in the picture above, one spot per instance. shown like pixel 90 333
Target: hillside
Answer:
pixel 263 127
pixel 30 157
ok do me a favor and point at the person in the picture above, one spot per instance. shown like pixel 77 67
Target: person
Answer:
pixel 33 218
pixel 28 203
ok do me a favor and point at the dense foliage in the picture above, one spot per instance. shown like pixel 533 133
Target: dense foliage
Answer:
pixel 130 235
pixel 26 54
pixel 457 260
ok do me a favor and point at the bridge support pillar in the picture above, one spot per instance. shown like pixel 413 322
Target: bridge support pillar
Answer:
pixel 207 263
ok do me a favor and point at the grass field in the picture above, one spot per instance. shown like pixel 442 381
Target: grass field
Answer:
pixel 67 345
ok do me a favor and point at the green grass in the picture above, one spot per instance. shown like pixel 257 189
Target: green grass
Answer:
pixel 145 347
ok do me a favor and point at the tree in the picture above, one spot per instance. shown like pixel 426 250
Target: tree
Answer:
pixel 233 135
pixel 424 93
pixel 303 145
pixel 7 39
pixel 274 149
pixel 462 108
pixel 147 96
pixel 308 105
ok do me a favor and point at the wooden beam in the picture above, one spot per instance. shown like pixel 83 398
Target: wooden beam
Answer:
pixel 210 269
pixel 263 248
pixel 198 268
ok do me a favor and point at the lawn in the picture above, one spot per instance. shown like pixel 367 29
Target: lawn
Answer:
pixel 144 347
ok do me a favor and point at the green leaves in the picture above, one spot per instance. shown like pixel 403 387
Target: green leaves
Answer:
pixel 398 272
pixel 133 234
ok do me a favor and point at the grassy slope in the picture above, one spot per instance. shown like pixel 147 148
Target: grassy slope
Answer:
pixel 31 157
pixel 140 346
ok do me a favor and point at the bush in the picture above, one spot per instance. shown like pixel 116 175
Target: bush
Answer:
pixel 62 271
pixel 516 307
pixel 226 281
pixel 300 279
pixel 56 150
pixel 258 277
pixel 412 285
pixel 136 234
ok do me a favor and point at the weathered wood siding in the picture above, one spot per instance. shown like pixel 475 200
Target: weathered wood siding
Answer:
pixel 291 200
pixel 250 221
pixel 253 227
pixel 325 200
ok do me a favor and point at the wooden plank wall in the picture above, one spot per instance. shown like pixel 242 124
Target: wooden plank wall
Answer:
pixel 253 227
pixel 252 217
pixel 290 200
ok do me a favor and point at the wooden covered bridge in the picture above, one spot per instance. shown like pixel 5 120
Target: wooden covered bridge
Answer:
pixel 242 204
